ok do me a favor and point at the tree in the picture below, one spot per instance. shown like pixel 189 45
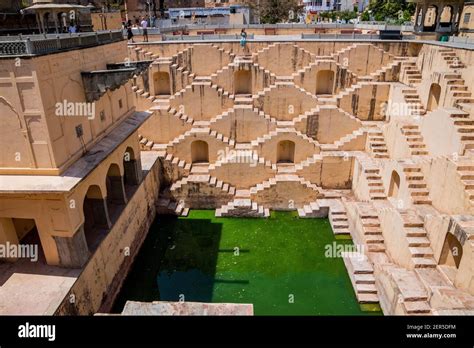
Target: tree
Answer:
pixel 342 15
pixel 397 11
pixel 276 11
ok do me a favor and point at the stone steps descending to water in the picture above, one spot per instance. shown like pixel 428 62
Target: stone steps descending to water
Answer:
pixel 361 273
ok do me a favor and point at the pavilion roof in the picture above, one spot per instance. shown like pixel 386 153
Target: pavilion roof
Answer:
pixel 55 7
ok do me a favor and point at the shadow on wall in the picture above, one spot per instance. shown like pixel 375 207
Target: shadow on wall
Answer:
pixel 180 258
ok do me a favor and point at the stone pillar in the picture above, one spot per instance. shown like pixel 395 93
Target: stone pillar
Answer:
pixel 73 251
pixel 439 11
pixel 56 22
pixel 455 19
pixel 418 26
pixel 8 236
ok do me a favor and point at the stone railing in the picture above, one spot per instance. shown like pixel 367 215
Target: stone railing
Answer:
pixel 352 36
pixel 43 44
pixel 461 40
pixel 204 37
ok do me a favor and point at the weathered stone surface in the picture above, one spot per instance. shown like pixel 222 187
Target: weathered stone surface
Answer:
pixel 186 308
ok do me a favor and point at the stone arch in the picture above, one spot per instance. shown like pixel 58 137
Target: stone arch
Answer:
pixel 451 253
pixel 114 185
pixel 96 216
pixel 430 18
pixel 161 83
pixel 286 151
pixel 46 19
pixel 446 16
pixel 199 151
pixel 243 82
pixel 20 231
pixel 325 82
pixel 434 96
pixel 394 184
pixel 131 174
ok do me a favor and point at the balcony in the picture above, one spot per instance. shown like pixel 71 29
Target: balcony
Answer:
pixel 32 45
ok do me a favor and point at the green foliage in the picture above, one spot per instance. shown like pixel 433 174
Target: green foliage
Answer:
pixel 396 11
pixel 342 15
pixel 277 11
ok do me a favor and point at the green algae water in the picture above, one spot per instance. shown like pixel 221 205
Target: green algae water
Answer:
pixel 277 264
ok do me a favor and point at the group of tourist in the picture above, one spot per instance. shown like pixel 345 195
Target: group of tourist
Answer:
pixel 139 23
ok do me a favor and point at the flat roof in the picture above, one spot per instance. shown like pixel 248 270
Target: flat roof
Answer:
pixel 55 6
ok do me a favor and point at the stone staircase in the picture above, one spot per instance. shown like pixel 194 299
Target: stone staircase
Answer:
pixel 417 186
pixel 231 55
pixel 465 170
pixel 464 126
pixel 145 143
pixel 372 231
pixel 283 178
pixel 205 179
pixel 411 292
pixel 412 99
pixel 344 142
pixel 361 273
pixel 376 144
pixel 375 183
pixel 308 162
pixel 343 50
pixel 333 209
pixel 182 164
pixel 451 59
pixel 167 206
pixel 242 207
pixel 412 76
pixel 414 140
pixel 182 116
pixel 311 210
pixel 196 132
pixel 338 220
pixel 266 137
pixel 417 240
pixel 276 85
pixel 387 73
pixel 458 90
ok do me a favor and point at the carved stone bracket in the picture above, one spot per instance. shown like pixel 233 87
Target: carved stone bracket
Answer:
pixel 97 83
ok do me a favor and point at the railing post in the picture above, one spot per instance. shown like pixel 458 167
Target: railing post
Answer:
pixel 58 42
pixel 28 46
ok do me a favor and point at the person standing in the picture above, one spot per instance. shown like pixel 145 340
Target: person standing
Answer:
pixel 72 28
pixel 129 31
pixel 243 40
pixel 144 25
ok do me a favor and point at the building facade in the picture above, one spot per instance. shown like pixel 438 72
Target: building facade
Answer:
pixel 437 17
pixel 466 23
